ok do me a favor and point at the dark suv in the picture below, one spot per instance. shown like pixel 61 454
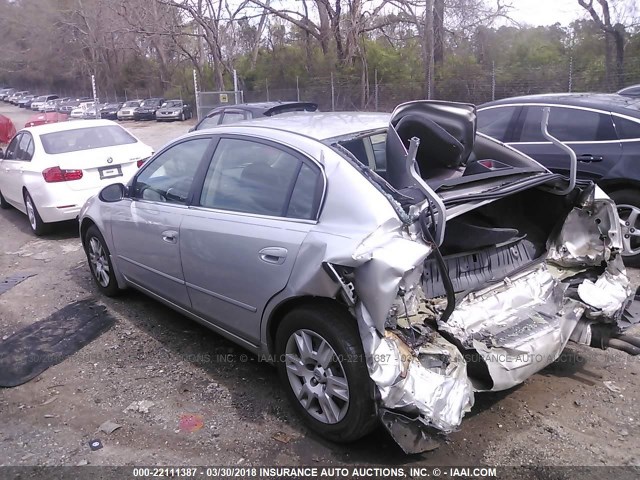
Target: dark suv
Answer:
pixel 147 109
pixel 602 129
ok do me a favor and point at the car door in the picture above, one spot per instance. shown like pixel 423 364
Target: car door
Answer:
pixel 17 167
pixel 145 227
pixel 590 133
pixel 241 237
pixel 628 130
pixel 7 167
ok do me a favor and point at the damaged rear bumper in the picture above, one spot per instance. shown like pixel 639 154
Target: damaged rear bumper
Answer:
pixel 427 369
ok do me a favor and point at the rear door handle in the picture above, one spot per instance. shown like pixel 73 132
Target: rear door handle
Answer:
pixel 587 158
pixel 275 255
pixel 170 236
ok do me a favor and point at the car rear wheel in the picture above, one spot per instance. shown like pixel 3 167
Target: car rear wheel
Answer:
pixel 35 221
pixel 321 362
pixel 100 262
pixel 628 203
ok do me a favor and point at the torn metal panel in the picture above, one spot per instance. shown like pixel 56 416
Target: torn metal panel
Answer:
pixel 391 258
pixel 610 294
pixel 408 432
pixel 589 234
pixel 518 327
pixel 411 381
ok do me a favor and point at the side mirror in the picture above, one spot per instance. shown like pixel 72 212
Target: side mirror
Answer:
pixel 113 193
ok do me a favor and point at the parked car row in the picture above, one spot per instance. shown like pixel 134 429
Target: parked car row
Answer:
pixel 85 108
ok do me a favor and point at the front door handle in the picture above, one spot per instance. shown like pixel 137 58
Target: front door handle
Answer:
pixel 588 158
pixel 275 255
pixel 170 236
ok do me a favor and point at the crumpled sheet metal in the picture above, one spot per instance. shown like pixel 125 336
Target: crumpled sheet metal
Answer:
pixel 518 327
pixel 611 292
pixel 580 240
pixel 441 398
pixel 389 259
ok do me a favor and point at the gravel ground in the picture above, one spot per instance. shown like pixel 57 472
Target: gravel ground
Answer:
pixel 566 415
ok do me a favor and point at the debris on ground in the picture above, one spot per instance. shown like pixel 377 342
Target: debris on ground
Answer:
pixel 109 427
pixel 141 406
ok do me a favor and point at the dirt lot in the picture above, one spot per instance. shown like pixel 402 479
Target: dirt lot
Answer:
pixel 565 415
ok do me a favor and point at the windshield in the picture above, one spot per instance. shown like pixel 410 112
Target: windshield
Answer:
pixel 131 104
pixel 150 103
pixel 85 139
pixel 173 103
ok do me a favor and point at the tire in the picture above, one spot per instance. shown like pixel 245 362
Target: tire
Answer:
pixel 100 262
pixel 349 415
pixel 38 227
pixel 3 203
pixel 628 202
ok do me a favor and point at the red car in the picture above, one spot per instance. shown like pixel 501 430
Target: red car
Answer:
pixel 48 117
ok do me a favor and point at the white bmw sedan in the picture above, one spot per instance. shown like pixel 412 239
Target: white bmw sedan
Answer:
pixel 49 171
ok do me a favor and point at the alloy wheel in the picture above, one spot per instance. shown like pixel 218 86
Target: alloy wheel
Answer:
pixel 31 213
pixel 630 223
pixel 316 376
pixel 99 262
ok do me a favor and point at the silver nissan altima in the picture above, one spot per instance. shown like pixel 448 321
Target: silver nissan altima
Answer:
pixel 390 266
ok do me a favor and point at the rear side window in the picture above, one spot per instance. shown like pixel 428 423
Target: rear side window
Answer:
pixel 85 139
pixel 495 122
pixel 568 125
pixel 252 177
pixel 232 117
pixel 626 129
pixel 209 122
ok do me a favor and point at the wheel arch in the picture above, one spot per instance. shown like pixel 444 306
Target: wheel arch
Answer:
pixel 290 304
pixel 617 184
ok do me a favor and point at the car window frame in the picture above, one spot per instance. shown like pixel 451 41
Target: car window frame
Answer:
pixel 319 194
pixel 204 162
pixel 523 112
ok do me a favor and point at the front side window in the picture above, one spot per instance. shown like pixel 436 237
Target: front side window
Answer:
pixel 495 122
pixel 568 125
pixel 169 176
pixel 85 139
pixel 257 178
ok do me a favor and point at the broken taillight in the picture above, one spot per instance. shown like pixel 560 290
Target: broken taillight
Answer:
pixel 56 174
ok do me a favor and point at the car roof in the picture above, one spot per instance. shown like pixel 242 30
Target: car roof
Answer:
pixel 611 102
pixel 64 126
pixel 320 126
pixel 261 107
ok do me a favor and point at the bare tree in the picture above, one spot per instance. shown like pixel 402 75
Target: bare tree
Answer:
pixel 614 34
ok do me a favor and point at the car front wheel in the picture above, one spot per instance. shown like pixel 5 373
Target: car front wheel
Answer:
pixel 100 262
pixel 35 221
pixel 628 204
pixel 321 362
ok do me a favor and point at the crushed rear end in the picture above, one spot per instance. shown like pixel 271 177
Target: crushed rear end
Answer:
pixel 487 278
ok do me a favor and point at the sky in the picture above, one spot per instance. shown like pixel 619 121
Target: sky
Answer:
pixel 546 12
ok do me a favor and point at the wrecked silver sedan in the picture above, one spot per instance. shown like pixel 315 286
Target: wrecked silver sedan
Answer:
pixel 391 267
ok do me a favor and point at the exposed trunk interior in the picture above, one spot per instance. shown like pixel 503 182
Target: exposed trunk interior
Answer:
pixel 491 242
